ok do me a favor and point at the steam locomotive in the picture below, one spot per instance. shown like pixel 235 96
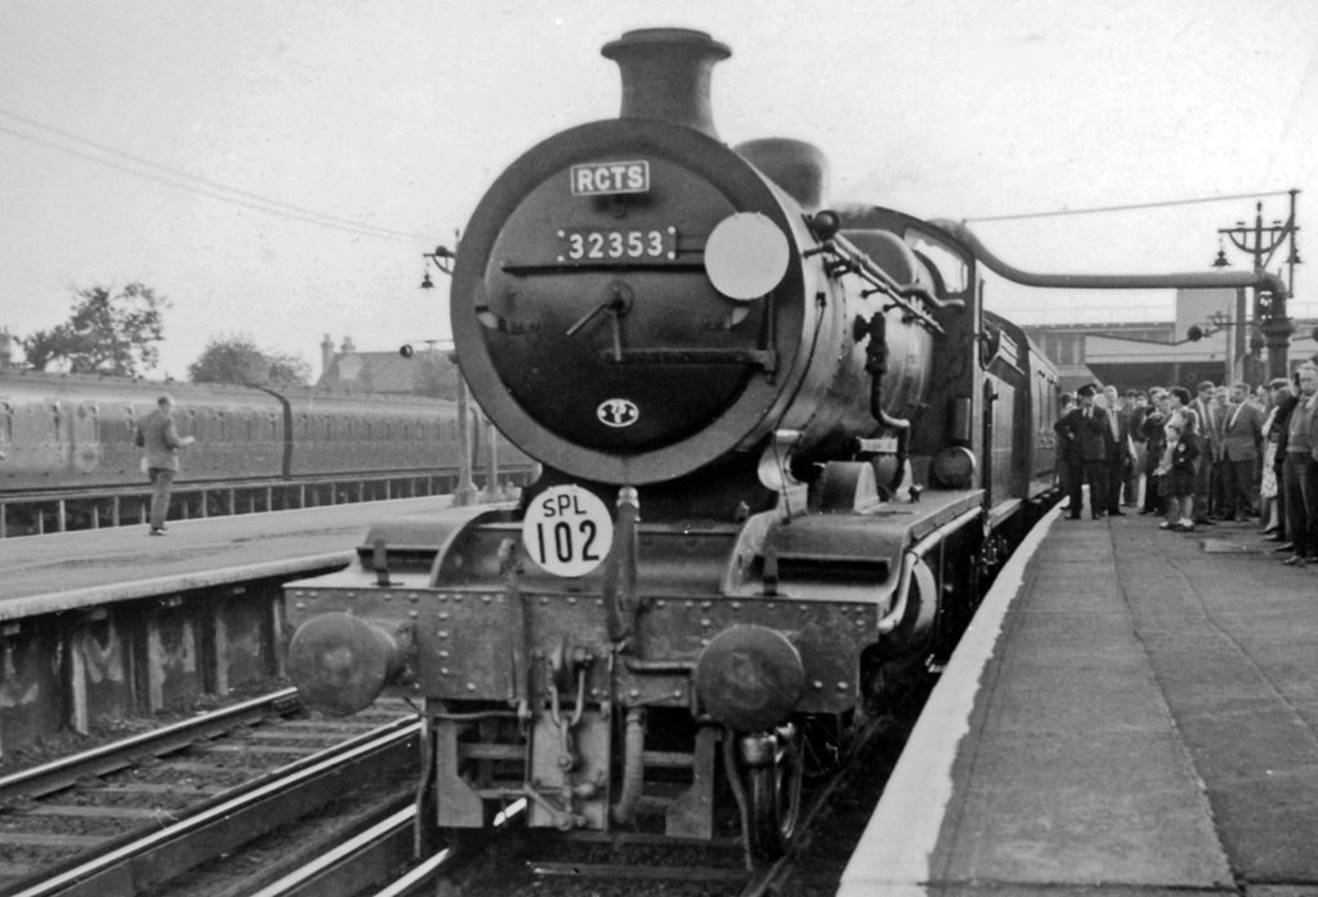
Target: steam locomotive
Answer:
pixel 785 447
pixel 62 433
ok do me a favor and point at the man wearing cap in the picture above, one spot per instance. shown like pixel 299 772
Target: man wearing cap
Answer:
pixel 1085 429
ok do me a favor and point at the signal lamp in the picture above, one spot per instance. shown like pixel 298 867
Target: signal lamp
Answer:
pixel 1195 333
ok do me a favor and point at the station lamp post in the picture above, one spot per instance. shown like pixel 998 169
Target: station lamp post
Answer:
pixel 442 258
pixel 1261 242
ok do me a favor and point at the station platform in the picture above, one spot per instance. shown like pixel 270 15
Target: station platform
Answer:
pixel 65 571
pixel 1132 712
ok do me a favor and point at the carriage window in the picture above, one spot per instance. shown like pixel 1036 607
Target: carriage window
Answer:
pixel 6 423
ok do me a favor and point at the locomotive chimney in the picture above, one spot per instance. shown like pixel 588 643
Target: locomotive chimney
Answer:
pixel 665 74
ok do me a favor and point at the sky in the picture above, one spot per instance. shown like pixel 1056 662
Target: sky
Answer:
pixel 276 168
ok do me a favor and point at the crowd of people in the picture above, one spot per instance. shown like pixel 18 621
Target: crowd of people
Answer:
pixel 1225 453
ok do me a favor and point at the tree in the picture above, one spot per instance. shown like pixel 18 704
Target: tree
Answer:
pixel 109 332
pixel 235 358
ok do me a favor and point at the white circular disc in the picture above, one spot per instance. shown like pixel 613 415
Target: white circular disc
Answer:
pixel 567 531
pixel 746 256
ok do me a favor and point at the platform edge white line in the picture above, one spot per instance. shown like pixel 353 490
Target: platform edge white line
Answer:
pixel 893 854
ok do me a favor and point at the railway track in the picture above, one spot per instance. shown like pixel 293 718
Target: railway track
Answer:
pixel 379 861
pixel 271 835
pixel 835 810
pixel 131 816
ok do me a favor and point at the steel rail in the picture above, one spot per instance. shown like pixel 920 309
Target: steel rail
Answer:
pixel 353 865
pixel 233 819
pixel 65 772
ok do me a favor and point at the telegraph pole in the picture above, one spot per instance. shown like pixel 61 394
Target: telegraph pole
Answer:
pixel 1261 242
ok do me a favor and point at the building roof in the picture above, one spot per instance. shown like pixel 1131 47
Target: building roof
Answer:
pixel 370 372
pixel 388 372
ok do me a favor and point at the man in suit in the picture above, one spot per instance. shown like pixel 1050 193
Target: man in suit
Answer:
pixel 1120 449
pixel 1242 446
pixel 1202 407
pixel 1301 499
pixel 1085 429
pixel 1285 397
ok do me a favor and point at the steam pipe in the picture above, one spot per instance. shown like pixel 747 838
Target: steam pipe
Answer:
pixel 633 767
pixel 1261 280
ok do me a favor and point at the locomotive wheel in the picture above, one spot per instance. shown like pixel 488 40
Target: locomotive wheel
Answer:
pixel 774 797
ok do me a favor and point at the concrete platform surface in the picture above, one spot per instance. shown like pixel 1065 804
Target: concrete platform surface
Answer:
pixel 1132 712
pixel 89 567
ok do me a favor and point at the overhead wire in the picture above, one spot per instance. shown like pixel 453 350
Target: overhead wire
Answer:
pixel 184 180
pixel 1125 208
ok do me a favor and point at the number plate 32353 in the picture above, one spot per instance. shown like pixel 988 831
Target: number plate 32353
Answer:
pixel 617 245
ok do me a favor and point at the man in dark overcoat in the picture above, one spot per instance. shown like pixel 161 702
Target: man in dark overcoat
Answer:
pixel 1087 431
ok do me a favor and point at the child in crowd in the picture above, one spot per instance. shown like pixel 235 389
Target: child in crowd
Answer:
pixel 1177 472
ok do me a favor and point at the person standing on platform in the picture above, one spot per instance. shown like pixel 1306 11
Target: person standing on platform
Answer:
pixel 1119 447
pixel 1283 404
pixel 1298 471
pixel 1152 426
pixel 1064 456
pixel 1178 475
pixel 1217 492
pixel 1202 408
pixel 1086 429
pixel 1242 443
pixel 159 437
pixel 1182 416
pixel 1137 408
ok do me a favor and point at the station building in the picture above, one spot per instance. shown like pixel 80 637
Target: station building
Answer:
pixel 1137 355
pixel 346 369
